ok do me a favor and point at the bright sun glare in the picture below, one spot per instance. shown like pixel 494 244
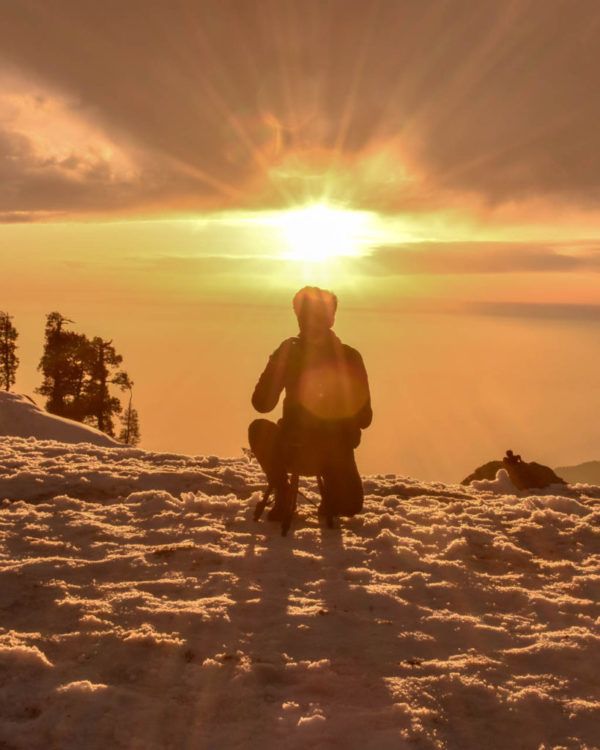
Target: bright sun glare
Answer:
pixel 320 232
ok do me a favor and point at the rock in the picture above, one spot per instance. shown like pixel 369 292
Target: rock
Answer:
pixel 524 475
pixel 487 471
pixel 530 476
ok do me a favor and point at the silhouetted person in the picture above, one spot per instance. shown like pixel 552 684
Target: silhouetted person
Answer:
pixel 510 458
pixel 326 405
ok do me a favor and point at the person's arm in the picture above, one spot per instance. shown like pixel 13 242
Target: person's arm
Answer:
pixel 361 418
pixel 365 414
pixel 272 381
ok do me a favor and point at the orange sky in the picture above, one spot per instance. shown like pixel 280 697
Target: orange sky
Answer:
pixel 149 150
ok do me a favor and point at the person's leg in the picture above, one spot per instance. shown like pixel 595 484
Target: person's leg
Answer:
pixel 265 443
pixel 342 487
pixel 267 446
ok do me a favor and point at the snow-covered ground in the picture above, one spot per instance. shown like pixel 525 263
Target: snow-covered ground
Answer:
pixel 22 417
pixel 141 607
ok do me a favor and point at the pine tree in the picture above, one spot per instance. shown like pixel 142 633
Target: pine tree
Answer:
pixel 101 405
pixel 130 424
pixel 78 375
pixel 8 346
pixel 66 358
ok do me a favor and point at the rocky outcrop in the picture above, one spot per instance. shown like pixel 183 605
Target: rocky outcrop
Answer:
pixel 524 475
pixel 487 471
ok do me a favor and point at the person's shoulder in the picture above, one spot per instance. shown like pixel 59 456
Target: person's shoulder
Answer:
pixel 287 343
pixel 351 352
pixel 286 346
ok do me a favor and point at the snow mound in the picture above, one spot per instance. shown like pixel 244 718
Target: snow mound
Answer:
pixel 142 607
pixel 502 483
pixel 22 418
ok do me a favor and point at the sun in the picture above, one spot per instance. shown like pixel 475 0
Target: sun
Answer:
pixel 320 232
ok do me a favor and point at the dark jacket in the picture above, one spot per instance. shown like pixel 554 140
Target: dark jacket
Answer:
pixel 326 390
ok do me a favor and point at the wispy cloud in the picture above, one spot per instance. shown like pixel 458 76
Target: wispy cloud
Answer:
pixel 547 311
pixel 483 258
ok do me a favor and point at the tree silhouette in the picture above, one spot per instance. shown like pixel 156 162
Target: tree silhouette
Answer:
pixel 8 346
pixel 78 375
pixel 130 423
pixel 101 406
pixel 64 364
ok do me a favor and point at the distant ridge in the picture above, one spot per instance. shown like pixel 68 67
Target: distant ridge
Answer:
pixel 585 473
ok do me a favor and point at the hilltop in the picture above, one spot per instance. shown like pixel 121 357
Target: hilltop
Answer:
pixel 21 417
pixel 587 472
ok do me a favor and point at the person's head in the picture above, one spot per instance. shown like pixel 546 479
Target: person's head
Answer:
pixel 315 309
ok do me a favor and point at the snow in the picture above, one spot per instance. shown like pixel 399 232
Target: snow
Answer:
pixel 21 417
pixel 142 607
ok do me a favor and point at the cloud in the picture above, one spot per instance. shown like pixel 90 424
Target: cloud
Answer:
pixel 483 258
pixel 19 217
pixel 52 157
pixel 203 266
pixel 548 311
pixel 233 103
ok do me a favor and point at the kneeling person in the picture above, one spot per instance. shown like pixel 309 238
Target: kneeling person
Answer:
pixel 325 407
